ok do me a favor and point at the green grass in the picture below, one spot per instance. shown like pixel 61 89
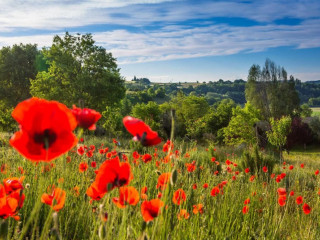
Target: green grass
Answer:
pixel 222 217
pixel 315 112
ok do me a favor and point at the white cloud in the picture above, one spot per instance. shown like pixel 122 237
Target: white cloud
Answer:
pixel 179 42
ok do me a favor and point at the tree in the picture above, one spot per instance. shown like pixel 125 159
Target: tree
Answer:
pixel 150 113
pixel 241 128
pixel 306 111
pixel 17 67
pixel 79 71
pixel 277 135
pixel 270 91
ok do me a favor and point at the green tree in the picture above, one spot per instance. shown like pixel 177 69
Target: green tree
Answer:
pixel 277 136
pixel 306 111
pixel 241 128
pixel 150 113
pixel 17 67
pixel 270 91
pixel 79 71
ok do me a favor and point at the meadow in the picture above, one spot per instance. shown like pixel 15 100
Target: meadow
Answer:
pixel 315 111
pixel 233 203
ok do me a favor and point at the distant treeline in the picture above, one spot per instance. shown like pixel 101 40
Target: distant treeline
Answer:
pixel 142 90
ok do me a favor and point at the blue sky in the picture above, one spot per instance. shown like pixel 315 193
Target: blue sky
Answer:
pixel 178 40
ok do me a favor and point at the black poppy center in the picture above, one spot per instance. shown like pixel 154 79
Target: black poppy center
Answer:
pixel 46 138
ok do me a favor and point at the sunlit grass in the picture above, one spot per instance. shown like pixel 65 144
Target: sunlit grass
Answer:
pixel 222 217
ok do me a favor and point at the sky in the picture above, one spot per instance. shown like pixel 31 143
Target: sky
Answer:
pixel 178 40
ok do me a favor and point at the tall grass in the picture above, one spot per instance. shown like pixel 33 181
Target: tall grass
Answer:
pixel 222 217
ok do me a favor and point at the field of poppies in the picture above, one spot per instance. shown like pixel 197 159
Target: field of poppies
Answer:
pixel 59 183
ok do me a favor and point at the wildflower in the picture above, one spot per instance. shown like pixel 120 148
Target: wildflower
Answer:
pixel 86 118
pixel 247 201
pixel 168 145
pixel 198 208
pixel 127 195
pixel 112 173
pixel 163 179
pixel 179 196
pixel 146 158
pixel 265 169
pixel 194 186
pixel 306 209
pixel 45 129
pixel 302 165
pixel 93 164
pixel 215 191
pixel 83 167
pixel 191 167
pixel 151 209
pixel 291 193
pixel 58 196
pixel 245 209
pixel 316 172
pixel 183 214
pixel 141 132
pixel 247 170
pixel 299 200
pixel 206 185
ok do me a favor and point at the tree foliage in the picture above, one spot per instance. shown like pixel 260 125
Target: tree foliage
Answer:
pixel 270 91
pixel 17 67
pixel 277 135
pixel 79 70
pixel 241 128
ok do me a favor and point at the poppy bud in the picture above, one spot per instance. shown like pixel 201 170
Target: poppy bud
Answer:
pixel 174 177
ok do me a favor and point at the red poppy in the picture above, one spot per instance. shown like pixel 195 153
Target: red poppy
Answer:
pixel 112 173
pixel 144 190
pixel 179 196
pixel 316 172
pixel 302 165
pixel 83 167
pixel 265 169
pixel 245 209
pixel 163 179
pixel 58 197
pixel 228 162
pixel 281 191
pixel 191 167
pixel 306 208
pixel 205 185
pixel 183 214
pixel 86 117
pixel 127 195
pixel 290 167
pixel 151 209
pixel 168 145
pixel 10 203
pixel 213 159
pixel 282 200
pixel 146 158
pixel 291 193
pixel 247 170
pixel 194 186
pixel 141 131
pixel 247 201
pixel 13 184
pixel 93 164
pixel 299 200
pixel 197 208
pixel 215 191
pixel 252 178
pixel 45 129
